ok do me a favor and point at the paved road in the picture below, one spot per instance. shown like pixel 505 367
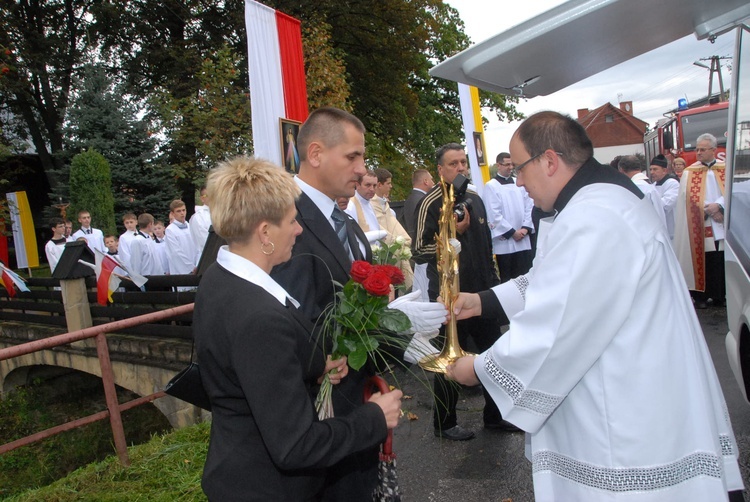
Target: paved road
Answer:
pixel 492 467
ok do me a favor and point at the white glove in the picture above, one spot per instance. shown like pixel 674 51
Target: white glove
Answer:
pixel 374 236
pixel 425 317
pixel 419 347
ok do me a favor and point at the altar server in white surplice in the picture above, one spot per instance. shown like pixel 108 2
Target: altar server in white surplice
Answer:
pixel 144 257
pixel 181 251
pixel 618 395
pixel 200 223
pixel 94 237
pixel 509 215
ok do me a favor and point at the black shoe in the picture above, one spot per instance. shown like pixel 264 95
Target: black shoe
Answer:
pixel 455 433
pixel 502 425
pixel 701 305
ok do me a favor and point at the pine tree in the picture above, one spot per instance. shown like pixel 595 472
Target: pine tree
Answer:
pixel 102 118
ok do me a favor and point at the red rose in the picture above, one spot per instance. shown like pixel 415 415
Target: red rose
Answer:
pixel 394 273
pixel 360 270
pixel 378 284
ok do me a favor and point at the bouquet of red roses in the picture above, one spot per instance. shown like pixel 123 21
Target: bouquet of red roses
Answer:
pixel 359 317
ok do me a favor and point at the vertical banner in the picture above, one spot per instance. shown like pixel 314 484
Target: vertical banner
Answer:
pixel 277 76
pixel 24 237
pixel 476 151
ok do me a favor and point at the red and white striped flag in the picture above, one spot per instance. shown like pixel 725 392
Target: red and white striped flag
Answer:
pixel 106 281
pixel 277 76
pixel 8 278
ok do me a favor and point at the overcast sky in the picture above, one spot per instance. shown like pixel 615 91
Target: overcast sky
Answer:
pixel 653 82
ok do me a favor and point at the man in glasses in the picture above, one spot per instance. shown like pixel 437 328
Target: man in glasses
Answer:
pixel 699 225
pixel 618 394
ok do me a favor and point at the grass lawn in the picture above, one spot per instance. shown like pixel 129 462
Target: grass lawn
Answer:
pixel 167 468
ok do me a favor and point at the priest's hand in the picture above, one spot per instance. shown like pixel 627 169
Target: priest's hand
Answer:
pixel 467 305
pixel 462 371
pixel 714 211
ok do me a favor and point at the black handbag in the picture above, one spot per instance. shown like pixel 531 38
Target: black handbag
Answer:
pixel 188 386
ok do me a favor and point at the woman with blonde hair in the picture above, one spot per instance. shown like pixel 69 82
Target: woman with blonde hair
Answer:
pixel 678 164
pixel 258 358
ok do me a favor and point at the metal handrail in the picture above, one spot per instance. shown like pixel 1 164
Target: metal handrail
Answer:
pixel 113 407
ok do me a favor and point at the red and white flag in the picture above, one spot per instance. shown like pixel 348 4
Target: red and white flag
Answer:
pixel 277 76
pixel 106 280
pixel 8 278
pixel 109 272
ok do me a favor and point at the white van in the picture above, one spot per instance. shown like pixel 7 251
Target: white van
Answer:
pixel 580 38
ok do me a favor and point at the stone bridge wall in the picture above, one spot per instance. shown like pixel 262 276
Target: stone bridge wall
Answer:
pixel 140 364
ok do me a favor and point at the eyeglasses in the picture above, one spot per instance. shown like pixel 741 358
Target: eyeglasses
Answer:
pixel 517 169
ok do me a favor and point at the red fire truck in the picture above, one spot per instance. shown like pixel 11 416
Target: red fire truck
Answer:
pixel 675 136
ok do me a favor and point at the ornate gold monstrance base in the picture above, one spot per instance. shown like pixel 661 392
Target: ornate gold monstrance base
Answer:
pixel 448 249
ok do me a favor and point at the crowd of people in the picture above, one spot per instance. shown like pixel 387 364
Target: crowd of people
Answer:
pixel 618 396
pixel 146 247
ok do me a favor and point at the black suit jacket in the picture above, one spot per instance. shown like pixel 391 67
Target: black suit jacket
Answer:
pixel 258 363
pixel 409 215
pixel 318 258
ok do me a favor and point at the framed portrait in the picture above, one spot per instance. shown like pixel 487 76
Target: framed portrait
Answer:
pixel 479 148
pixel 288 130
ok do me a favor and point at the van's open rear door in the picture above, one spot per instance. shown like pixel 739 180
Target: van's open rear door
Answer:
pixel 581 38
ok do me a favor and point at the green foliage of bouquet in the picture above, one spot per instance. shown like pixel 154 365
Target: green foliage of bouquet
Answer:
pixel 359 317
pixel 390 254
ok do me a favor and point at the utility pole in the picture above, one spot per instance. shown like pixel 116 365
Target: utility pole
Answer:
pixel 714 68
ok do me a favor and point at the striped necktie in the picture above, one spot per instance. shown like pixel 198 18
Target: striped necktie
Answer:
pixel 339 223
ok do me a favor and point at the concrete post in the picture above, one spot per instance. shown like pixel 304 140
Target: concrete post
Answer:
pixel 77 311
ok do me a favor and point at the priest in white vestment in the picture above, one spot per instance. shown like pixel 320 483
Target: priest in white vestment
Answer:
pixel 668 186
pixel 630 166
pixel 618 395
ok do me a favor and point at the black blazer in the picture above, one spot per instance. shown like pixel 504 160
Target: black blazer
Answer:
pixel 258 364
pixel 318 258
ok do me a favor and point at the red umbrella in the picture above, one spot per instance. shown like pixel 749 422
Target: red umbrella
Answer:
pixel 387 489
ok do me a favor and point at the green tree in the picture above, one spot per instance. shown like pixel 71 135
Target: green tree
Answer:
pixel 42 44
pixel 101 117
pixel 387 48
pixel 325 69
pixel 215 120
pixel 161 47
pixel 91 189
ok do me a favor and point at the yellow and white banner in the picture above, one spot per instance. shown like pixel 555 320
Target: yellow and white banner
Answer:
pixel 24 237
pixel 476 149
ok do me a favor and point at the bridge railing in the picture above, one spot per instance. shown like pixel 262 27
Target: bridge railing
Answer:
pixel 114 408
pixel 44 304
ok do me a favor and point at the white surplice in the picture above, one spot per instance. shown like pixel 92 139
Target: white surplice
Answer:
pixel 508 208
pixel 618 394
pixel 669 191
pixel 181 251
pixel 652 194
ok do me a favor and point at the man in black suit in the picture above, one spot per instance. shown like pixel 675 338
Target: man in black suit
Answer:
pixel 331 146
pixel 421 182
